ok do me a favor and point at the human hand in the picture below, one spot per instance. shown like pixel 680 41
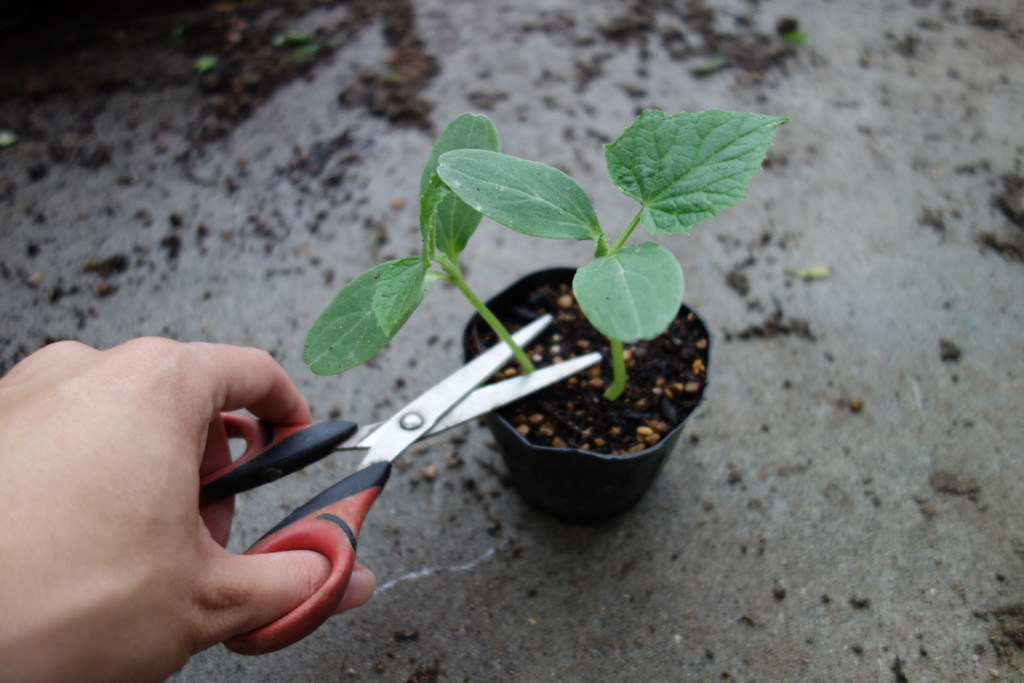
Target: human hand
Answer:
pixel 109 569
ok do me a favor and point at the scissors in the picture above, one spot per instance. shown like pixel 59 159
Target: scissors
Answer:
pixel 330 522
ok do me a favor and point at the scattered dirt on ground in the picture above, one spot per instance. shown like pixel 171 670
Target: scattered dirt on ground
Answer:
pixel 112 265
pixel 993 21
pixel 948 351
pixel 738 281
pixel 1007 239
pixel 775 325
pixel 934 219
pixel 898 672
pixel 1008 249
pixel 946 481
pixel 328 160
pixel 750 50
pixel 401 635
pixel 1009 631
pixel 1011 200
pixel 235 54
pixel 425 673
pixel 858 602
pixel 395 93
pixel 246 50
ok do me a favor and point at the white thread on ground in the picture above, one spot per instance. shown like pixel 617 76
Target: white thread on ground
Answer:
pixel 430 571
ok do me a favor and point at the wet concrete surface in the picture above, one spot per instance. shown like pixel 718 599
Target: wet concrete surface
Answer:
pixel 846 505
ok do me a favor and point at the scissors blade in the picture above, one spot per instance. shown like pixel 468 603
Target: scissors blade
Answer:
pixel 485 399
pixel 421 414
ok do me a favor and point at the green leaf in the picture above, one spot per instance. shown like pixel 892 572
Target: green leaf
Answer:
pixel 810 272
pixel 446 222
pixel 304 54
pixel 468 131
pixel 685 168
pixel 526 196
pixel 632 294
pixel 206 63
pixel 454 221
pixel 713 65
pixel 795 36
pixel 293 38
pixel 429 201
pixel 400 289
pixel 364 316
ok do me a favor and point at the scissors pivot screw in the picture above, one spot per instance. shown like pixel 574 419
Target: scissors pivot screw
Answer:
pixel 411 421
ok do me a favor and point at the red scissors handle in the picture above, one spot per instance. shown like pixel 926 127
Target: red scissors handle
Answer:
pixel 328 524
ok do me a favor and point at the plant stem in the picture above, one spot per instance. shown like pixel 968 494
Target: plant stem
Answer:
pixel 454 275
pixel 626 233
pixel 618 370
pixel 616 350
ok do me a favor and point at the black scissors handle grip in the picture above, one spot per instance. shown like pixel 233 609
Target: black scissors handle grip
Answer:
pixel 272 451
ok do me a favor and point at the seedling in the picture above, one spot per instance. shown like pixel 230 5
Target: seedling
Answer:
pixel 682 169
pixel 364 316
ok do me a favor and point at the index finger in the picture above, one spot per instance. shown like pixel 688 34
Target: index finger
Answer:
pixel 242 377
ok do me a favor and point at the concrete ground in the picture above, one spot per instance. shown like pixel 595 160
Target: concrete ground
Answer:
pixel 848 505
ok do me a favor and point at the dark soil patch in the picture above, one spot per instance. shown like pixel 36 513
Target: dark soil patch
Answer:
pixel 955 483
pixel 250 48
pixel 933 219
pixel 1009 250
pixel 1011 200
pixel 83 52
pixel 401 635
pixel 326 159
pixel 898 672
pixel 775 325
pixel 667 377
pixel 1009 632
pixel 750 51
pixel 738 281
pixel 996 23
pixel 112 265
pixel 394 94
pixel 425 673
pixel 948 351
pixel 687 32
pixel 858 602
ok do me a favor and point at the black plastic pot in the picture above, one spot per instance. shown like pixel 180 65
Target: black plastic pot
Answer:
pixel 570 483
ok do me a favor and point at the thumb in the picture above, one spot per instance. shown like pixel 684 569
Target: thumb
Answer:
pixel 250 591
pixel 244 592
pixel 360 589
